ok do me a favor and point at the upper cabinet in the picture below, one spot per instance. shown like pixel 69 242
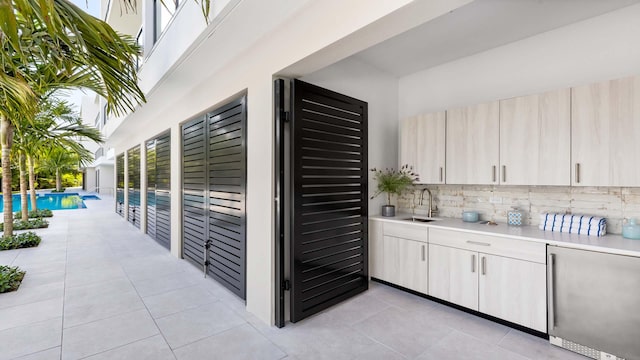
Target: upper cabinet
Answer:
pixel 605 131
pixel 535 138
pixel 422 145
pixel 473 149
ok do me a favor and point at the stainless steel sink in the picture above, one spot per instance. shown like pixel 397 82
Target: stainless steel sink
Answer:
pixel 418 219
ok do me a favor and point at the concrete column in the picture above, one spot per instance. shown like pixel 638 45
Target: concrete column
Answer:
pixel 176 191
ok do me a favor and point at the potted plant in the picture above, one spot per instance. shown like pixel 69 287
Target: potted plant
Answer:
pixel 393 182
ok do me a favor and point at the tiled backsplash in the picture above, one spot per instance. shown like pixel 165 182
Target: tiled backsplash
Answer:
pixel 493 202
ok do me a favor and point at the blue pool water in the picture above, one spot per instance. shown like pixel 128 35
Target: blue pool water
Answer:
pixel 52 201
pixel 90 197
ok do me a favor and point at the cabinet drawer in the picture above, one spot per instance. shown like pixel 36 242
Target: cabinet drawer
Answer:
pixel 509 247
pixel 406 231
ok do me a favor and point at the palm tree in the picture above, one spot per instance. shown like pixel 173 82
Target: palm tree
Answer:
pixel 59 159
pixel 56 124
pixel 49 45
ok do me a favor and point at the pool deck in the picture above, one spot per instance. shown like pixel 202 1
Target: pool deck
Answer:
pixel 97 288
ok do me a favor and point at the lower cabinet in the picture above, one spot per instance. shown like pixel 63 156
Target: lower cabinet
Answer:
pixel 509 289
pixel 514 290
pixel 453 275
pixel 405 263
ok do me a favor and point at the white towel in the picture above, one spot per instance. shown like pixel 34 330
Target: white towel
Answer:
pixel 574 224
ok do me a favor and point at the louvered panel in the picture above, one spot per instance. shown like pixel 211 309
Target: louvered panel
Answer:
pixel 120 184
pixel 163 190
pixel 329 210
pixel 194 208
pixel 227 188
pixel 151 188
pixel 133 159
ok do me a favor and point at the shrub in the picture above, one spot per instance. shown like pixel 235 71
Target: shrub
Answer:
pixel 40 213
pixel 24 240
pixel 10 278
pixel 56 191
pixel 36 223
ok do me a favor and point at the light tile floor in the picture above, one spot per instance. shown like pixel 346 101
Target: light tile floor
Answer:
pixel 96 288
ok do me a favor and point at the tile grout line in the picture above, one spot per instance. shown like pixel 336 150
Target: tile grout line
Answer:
pixel 64 288
pixel 149 313
pixel 118 347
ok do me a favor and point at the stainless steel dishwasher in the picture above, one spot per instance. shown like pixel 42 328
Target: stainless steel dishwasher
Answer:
pixel 594 302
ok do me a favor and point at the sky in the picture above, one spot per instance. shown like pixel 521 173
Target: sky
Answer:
pixel 90 6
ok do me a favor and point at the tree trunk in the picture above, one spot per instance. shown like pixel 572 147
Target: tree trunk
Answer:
pixel 32 183
pixel 6 139
pixel 22 164
pixel 58 181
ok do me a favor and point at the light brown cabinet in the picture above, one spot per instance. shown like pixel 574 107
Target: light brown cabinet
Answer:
pixel 535 145
pixel 422 145
pixel 472 144
pixel 505 278
pixel 605 130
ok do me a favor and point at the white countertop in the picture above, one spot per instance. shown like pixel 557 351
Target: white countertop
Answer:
pixel 614 244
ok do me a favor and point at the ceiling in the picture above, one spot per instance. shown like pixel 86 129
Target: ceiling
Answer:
pixel 476 27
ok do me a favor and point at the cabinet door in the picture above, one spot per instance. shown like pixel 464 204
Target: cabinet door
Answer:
pixel 405 263
pixel 473 148
pixel 453 275
pixel 392 269
pixel 513 290
pixel 376 249
pixel 535 138
pixel 605 126
pixel 430 157
pixel 408 143
pixel 413 262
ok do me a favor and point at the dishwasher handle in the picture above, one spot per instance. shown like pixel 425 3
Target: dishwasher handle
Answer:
pixel 551 290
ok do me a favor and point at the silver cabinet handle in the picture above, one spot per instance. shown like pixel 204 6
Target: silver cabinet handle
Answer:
pixel 577 173
pixel 478 243
pixel 423 256
pixel 484 265
pixel 551 290
pixel 504 173
pixel 441 174
pixel 494 173
pixel 473 263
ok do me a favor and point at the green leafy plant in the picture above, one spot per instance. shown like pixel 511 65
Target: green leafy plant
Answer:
pixel 10 278
pixel 394 182
pixel 37 223
pixel 24 240
pixel 40 213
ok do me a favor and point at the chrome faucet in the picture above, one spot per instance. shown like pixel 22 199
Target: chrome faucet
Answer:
pixel 431 210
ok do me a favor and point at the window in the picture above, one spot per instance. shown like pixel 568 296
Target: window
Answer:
pixel 163 11
pixel 104 115
pixel 140 42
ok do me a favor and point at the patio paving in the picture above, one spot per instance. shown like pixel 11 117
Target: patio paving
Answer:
pixel 97 288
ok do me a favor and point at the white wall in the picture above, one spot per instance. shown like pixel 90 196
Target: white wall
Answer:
pixel 379 89
pixel 600 48
pixel 89 179
pixel 107 176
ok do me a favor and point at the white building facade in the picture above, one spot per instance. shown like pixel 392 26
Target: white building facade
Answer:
pixel 453 53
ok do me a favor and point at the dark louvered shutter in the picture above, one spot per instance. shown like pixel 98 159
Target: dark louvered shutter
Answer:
pixel 227 189
pixel 151 188
pixel 133 159
pixel 329 200
pixel 163 190
pixel 194 181
pixel 120 184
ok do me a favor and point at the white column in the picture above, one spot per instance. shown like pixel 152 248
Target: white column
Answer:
pixel 176 191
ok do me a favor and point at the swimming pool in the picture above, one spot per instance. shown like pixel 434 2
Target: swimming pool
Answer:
pixel 90 197
pixel 52 201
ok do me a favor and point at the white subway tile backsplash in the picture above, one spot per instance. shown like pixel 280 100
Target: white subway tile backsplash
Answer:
pixel 614 203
